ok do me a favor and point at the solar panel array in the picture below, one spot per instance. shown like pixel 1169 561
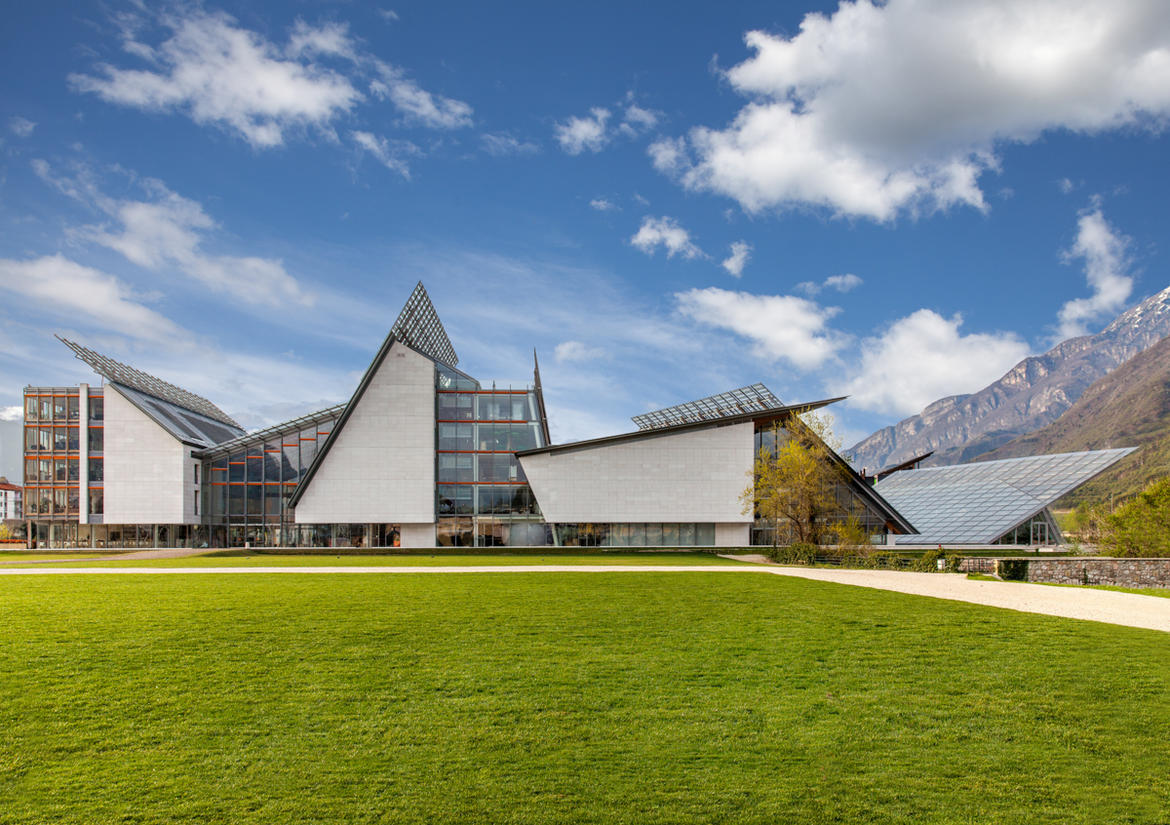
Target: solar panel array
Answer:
pixel 977 503
pixel 419 326
pixel 184 424
pixel 755 398
pixel 127 376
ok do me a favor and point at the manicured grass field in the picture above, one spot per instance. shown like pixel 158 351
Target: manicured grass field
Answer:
pixel 600 698
pixel 244 559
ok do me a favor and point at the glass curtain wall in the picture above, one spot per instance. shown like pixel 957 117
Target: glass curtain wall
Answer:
pixel 482 498
pixel 52 457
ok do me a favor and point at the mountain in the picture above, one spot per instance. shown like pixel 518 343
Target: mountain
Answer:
pixel 1129 407
pixel 1033 394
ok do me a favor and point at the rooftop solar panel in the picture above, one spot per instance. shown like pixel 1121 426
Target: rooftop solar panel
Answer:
pixel 755 398
pixel 119 373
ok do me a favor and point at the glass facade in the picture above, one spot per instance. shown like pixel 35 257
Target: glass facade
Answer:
pixel 52 453
pixel 248 482
pixel 482 498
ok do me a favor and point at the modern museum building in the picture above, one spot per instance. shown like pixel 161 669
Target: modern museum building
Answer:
pixel 421 455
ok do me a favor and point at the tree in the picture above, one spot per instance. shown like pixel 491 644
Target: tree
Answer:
pixel 794 478
pixel 1141 526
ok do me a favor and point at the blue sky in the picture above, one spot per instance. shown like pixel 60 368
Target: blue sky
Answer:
pixel 666 200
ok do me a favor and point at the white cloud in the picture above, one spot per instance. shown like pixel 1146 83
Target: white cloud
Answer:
pixel 665 232
pixel 924 357
pixel 841 283
pixel 1106 263
pixel 603 205
pixel 389 15
pixel 14 413
pixel 1065 185
pixel 880 109
pixel 221 74
pixel 578 134
pixel 169 230
pixel 741 251
pixel 568 351
pixel 637 120
pixel 73 292
pixel 390 153
pixel 502 144
pixel 21 126
pixel 416 103
pixel 782 327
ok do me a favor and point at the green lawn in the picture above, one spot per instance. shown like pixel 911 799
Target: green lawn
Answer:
pixel 653 698
pixel 239 558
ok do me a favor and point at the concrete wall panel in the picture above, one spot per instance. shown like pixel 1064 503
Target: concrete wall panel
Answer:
pixel 148 479
pixel 691 476
pixel 381 467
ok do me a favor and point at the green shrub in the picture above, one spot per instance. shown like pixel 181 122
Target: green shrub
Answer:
pixel 1015 570
pixel 1140 527
pixel 798 553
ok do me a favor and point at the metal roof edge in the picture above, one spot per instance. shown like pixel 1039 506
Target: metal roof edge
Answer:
pixel 758 415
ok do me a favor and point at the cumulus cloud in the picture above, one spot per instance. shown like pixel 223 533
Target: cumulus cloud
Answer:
pixel 781 327
pixel 579 134
pixel 741 251
pixel 13 413
pixel 603 205
pixel 924 357
pixel 569 351
pixel 665 232
pixel 502 144
pixel 21 126
pixel 841 283
pixel 221 74
pixel 881 109
pixel 1103 250
pixel 390 153
pixel 168 230
pixel 68 290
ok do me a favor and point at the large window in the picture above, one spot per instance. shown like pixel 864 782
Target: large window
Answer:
pixel 96 439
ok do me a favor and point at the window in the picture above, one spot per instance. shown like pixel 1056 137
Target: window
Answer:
pixel 95 501
pixel 74 407
pixel 74 439
pixel 96 407
pixel 95 469
pixel 31 408
pixel 96 439
pixel 196 481
pixel 60 439
pixel 196 495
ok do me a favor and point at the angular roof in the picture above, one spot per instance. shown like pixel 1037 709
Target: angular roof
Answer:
pixel 977 503
pixel 298 423
pixel 186 425
pixel 418 325
pixel 770 414
pixel 756 398
pixel 118 373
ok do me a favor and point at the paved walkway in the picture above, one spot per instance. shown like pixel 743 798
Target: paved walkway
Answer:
pixel 1130 609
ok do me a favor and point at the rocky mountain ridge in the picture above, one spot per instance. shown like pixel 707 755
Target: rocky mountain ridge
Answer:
pixel 1031 395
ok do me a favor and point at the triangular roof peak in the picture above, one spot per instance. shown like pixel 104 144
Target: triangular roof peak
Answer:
pixel 418 326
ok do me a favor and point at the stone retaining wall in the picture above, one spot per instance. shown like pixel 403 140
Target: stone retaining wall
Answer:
pixel 1118 572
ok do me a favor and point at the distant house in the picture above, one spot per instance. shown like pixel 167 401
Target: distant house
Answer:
pixel 10 500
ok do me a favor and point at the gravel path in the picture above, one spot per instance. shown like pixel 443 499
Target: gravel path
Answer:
pixel 1108 606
